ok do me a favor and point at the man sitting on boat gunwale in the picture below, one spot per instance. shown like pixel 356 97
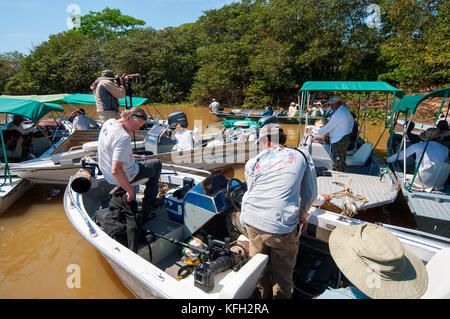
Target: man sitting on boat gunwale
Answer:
pixel 117 162
pixel 339 128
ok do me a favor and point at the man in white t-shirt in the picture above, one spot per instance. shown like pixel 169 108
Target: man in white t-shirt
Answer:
pixel 339 128
pixel 117 162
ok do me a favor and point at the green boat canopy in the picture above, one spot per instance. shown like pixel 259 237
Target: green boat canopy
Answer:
pixel 33 110
pixel 409 103
pixel 49 98
pixel 352 86
pixel 89 99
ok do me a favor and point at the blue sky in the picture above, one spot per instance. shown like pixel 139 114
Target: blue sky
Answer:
pixel 27 23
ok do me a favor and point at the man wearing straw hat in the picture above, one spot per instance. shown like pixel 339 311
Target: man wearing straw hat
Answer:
pixel 339 128
pixel 107 92
pixel 376 263
pixel 282 186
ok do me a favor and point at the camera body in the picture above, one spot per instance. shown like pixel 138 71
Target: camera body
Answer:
pixel 204 274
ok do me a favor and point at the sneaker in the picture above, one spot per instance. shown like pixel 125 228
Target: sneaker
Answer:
pixel 148 206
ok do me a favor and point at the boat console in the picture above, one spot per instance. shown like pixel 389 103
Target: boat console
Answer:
pixel 209 198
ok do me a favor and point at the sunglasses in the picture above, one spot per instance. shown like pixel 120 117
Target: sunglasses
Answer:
pixel 142 117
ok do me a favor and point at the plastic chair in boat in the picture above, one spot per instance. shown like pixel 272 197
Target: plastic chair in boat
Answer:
pixel 432 176
pixel 361 155
pixel 438 276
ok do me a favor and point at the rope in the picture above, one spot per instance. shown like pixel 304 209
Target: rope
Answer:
pixel 163 189
pixel 347 193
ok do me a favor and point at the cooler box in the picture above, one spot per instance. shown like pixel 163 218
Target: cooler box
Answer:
pixel 175 208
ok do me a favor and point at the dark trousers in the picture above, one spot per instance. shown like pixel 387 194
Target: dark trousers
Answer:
pixel 150 169
pixel 339 150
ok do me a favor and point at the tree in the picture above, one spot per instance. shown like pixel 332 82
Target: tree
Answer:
pixel 109 23
pixel 67 62
pixel 9 66
pixel 417 46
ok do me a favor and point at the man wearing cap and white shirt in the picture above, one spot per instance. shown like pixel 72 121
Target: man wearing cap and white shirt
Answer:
pixel 376 263
pixel 107 93
pixel 339 128
pixel 435 152
pixel 282 186
pixel 215 106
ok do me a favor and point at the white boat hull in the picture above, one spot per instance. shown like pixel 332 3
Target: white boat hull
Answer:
pixel 144 279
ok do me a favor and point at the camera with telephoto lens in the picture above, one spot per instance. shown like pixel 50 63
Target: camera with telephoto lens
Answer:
pixel 204 273
pixel 132 78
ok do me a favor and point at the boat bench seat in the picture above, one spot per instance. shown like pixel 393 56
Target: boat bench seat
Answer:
pixel 361 156
pixel 90 146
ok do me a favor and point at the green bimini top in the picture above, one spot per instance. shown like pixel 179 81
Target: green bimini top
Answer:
pixel 89 99
pixel 48 98
pixel 352 86
pixel 409 103
pixel 31 109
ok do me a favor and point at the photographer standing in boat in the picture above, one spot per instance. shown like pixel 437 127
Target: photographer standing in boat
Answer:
pixel 282 186
pixel 339 128
pixel 108 89
pixel 117 163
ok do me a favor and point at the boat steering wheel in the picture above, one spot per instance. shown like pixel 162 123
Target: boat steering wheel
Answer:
pixel 234 196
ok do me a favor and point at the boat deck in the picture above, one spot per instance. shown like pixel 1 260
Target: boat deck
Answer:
pixel 366 188
pixel 11 192
pixel 431 210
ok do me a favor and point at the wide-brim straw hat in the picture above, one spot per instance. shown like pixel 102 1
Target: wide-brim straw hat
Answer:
pixel 431 133
pixel 376 262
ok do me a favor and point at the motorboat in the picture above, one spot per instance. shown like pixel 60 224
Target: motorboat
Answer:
pixel 200 205
pixel 64 159
pixel 255 115
pixel 234 143
pixel 426 189
pixel 45 136
pixel 366 181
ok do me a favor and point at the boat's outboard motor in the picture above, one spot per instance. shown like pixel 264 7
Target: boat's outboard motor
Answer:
pixel 175 118
pixel 267 120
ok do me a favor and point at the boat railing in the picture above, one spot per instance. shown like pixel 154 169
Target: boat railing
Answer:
pixel 196 170
pixel 416 232
pixel 92 231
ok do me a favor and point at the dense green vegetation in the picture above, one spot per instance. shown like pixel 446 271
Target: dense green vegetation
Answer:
pixel 251 53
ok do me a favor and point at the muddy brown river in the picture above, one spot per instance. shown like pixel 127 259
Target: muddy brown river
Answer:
pixel 39 248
